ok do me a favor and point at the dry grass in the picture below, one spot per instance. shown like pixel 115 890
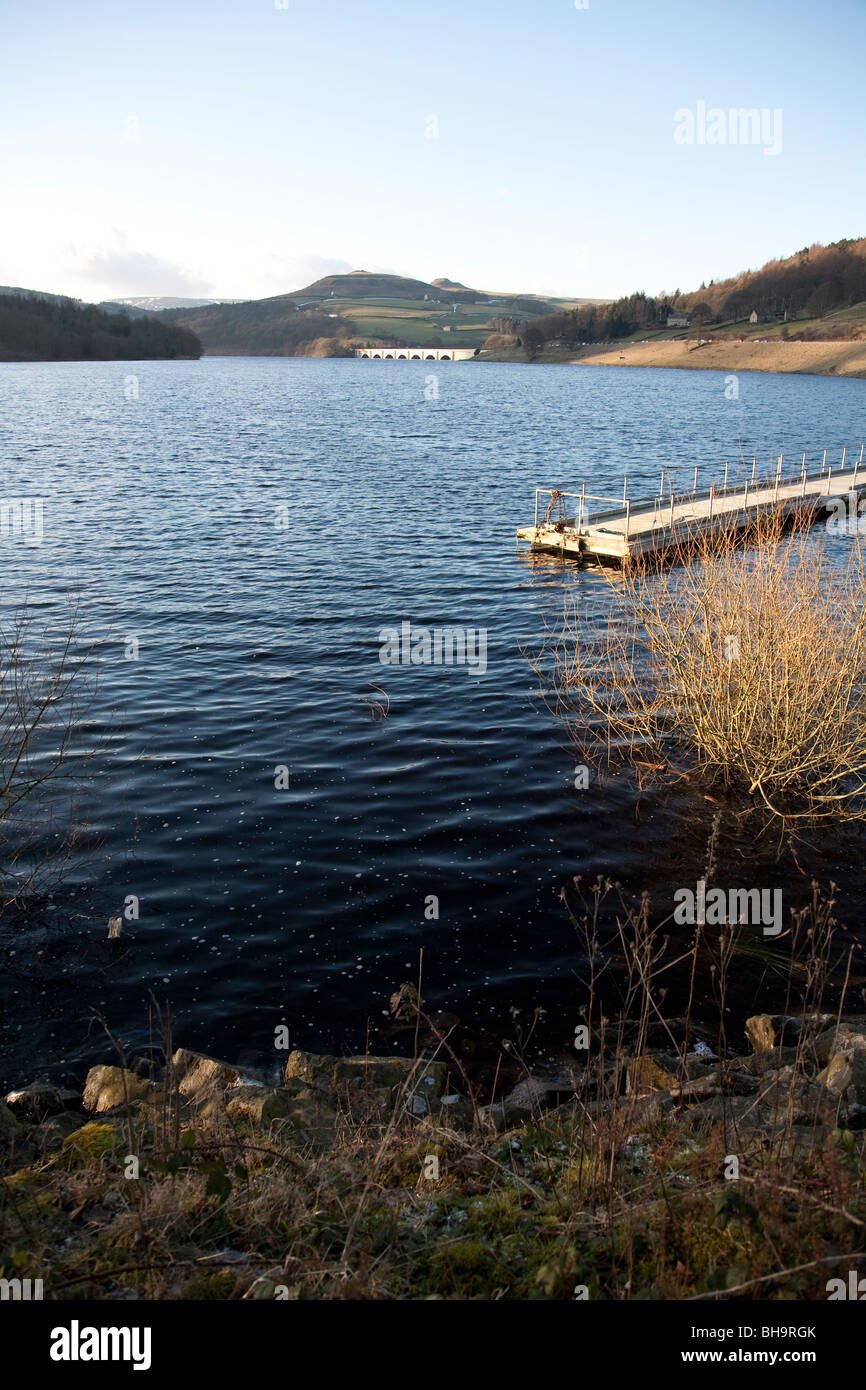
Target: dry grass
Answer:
pixel 624 1190
pixel 745 666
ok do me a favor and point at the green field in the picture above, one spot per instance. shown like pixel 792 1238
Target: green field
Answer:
pixel 419 321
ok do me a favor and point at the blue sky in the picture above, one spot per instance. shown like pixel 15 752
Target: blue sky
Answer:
pixel 234 148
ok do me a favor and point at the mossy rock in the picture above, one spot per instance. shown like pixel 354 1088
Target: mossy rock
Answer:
pixel 380 1075
pixel 646 1075
pixel 92 1141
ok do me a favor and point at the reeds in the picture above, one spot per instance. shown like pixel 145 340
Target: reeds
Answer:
pixel 744 667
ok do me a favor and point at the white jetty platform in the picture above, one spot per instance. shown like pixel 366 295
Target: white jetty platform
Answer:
pixel 573 525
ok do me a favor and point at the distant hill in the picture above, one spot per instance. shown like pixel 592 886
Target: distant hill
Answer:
pixel 38 294
pixel 815 281
pixel 153 303
pixel 337 311
pixel 364 284
pixel 117 306
pixel 48 328
pixel 276 327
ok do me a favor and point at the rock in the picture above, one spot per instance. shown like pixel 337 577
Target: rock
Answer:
pixel 845 1078
pixel 699 1089
pixel 51 1133
pixel 761 1032
pixel 845 1037
pixel 384 1077
pixel 10 1129
pixel 108 1087
pixel 260 1105
pixel 645 1075
pixel 741 1083
pixel 768 1031
pixel 529 1096
pixel 494 1117
pixel 762 1062
pixel 740 1111
pixel 456 1111
pixel 35 1103
pixel 204 1081
pixel 93 1141
pixel 789 1095
pixel 646 1110
pixel 837 1074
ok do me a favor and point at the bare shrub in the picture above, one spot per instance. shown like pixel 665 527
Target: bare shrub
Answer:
pixel 745 667
pixel 45 687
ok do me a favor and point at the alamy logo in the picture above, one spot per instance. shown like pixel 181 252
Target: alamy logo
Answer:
pixel 21 1290
pixel 21 517
pixel 77 1343
pixel 740 125
pixel 855 1288
pixel 756 907
pixel 410 645
pixel 847 515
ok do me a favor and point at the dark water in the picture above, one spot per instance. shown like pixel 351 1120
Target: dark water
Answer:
pixel 258 643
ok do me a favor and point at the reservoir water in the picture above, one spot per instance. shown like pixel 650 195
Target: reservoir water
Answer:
pixel 239 532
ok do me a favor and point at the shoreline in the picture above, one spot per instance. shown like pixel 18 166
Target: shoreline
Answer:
pixel 836 357
pixel 547 1193
pixel 841 357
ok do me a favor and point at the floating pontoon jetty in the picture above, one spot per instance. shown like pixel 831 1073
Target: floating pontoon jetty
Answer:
pixel 584 524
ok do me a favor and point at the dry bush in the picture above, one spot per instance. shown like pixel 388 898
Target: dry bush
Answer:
pixel 743 665
pixel 46 687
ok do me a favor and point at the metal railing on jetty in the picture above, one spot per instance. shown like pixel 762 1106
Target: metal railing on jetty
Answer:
pixel 625 525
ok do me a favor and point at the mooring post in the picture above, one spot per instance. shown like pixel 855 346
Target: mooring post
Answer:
pixel 857 463
pixel 695 483
pixel 844 452
pixel 662 485
pixel 625 488
pixel 712 495
pixel 829 479
pixel 824 461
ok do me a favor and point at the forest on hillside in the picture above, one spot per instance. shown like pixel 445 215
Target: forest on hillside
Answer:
pixel 264 328
pixel 815 281
pixel 34 328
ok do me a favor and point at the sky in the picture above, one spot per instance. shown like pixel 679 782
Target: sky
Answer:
pixel 242 148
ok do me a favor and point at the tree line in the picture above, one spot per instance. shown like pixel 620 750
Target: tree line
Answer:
pixel 810 284
pixel 37 329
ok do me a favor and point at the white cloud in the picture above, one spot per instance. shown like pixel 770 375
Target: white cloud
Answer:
pixel 122 270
